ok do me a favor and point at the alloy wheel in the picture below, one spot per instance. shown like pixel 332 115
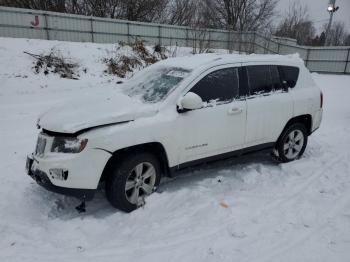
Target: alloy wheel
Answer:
pixel 140 182
pixel 293 144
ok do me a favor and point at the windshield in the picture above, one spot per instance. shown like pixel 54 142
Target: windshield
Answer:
pixel 155 83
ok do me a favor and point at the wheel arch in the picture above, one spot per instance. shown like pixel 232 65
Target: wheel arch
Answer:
pixel 155 148
pixel 306 120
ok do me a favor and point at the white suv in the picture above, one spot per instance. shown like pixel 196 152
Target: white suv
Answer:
pixel 176 113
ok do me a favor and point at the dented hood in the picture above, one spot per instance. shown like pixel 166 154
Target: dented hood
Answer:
pixel 93 111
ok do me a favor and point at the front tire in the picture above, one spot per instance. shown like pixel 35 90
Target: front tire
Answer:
pixel 292 143
pixel 136 177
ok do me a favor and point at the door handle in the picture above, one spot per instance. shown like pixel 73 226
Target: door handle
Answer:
pixel 235 111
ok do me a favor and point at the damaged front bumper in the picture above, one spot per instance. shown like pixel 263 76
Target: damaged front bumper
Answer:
pixel 43 180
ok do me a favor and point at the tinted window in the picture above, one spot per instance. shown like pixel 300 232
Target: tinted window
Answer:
pixel 259 79
pixel 289 75
pixel 275 78
pixel 220 85
pixel 263 79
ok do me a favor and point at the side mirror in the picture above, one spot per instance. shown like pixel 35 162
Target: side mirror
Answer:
pixel 191 101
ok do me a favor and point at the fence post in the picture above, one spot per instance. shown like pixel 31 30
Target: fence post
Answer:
pixel 160 35
pixel 278 47
pixel 209 39
pixel 267 46
pixel 92 29
pixel 46 27
pixel 128 32
pixel 187 41
pixel 347 61
pixel 228 40
pixel 239 42
pixel 253 43
pixel 307 56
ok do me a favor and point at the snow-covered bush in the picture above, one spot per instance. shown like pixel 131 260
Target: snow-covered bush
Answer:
pixel 54 62
pixel 133 57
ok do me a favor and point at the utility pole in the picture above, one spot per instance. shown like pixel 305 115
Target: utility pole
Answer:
pixel 331 9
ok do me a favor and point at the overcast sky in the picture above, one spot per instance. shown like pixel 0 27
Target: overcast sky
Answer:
pixel 318 11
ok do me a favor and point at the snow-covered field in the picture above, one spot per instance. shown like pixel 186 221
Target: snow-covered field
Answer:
pixel 245 209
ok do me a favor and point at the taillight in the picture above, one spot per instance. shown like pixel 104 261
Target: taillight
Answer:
pixel 321 100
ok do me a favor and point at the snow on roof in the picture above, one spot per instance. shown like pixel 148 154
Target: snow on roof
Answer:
pixel 195 61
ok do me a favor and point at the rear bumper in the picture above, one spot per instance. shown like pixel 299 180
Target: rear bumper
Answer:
pixel 42 179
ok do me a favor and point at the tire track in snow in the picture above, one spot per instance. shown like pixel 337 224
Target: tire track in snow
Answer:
pixel 304 185
pixel 221 226
pixel 287 244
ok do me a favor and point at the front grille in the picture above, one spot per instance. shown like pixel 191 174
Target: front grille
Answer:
pixel 40 146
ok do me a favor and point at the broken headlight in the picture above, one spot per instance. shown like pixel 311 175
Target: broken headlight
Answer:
pixel 68 145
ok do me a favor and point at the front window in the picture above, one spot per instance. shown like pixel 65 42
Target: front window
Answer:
pixel 220 86
pixel 156 83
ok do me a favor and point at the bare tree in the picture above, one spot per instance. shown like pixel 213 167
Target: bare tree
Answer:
pixel 180 12
pixel 134 10
pixel 347 40
pixel 49 5
pixel 102 8
pixel 337 34
pixel 297 25
pixel 319 40
pixel 95 8
pixel 143 10
pixel 241 15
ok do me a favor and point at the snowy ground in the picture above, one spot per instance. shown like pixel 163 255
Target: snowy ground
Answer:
pixel 246 209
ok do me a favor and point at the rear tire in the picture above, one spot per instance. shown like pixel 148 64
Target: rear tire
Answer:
pixel 131 180
pixel 292 143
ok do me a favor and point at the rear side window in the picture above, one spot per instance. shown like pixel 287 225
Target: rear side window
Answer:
pixel 220 85
pixel 289 75
pixel 263 79
pixel 259 79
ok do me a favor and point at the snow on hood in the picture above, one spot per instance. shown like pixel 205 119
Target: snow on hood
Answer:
pixel 91 111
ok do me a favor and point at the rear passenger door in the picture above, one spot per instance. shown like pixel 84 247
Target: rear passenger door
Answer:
pixel 269 104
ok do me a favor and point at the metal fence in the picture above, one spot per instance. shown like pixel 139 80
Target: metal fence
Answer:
pixel 26 23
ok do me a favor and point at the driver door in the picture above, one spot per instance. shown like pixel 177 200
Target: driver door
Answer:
pixel 219 126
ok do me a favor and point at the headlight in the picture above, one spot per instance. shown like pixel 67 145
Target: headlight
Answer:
pixel 68 145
